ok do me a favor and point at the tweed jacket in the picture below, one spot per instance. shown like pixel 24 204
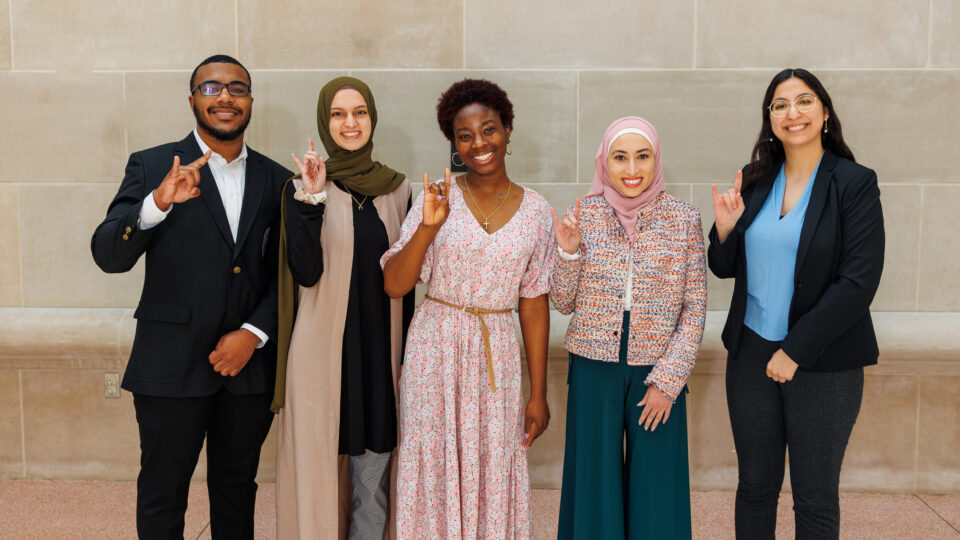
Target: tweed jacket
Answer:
pixel 669 292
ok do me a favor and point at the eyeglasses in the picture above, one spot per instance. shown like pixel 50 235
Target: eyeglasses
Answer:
pixel 214 88
pixel 803 103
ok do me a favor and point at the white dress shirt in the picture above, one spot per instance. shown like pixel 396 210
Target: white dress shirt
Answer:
pixel 231 180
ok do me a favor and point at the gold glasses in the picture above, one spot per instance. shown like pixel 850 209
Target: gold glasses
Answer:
pixel 803 103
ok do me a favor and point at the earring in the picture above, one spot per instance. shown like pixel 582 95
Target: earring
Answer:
pixel 769 139
pixel 824 126
pixel 509 149
pixel 453 159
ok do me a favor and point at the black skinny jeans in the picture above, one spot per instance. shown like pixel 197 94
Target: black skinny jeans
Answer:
pixel 813 415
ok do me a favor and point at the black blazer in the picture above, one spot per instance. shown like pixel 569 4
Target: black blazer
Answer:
pixel 839 261
pixel 199 283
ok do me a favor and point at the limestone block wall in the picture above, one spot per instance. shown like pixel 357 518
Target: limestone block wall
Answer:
pixel 84 84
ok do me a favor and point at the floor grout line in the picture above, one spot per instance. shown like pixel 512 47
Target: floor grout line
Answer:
pixel 932 509
pixel 207 524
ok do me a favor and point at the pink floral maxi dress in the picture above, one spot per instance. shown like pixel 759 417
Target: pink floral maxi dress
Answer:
pixel 462 470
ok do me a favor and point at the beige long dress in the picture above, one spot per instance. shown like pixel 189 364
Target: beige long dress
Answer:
pixel 313 481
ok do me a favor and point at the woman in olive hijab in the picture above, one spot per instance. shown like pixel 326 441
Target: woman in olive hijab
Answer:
pixel 341 337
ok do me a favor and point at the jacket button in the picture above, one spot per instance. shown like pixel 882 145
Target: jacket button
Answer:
pixel 616 332
pixel 128 230
pixel 799 285
pixel 125 237
pixel 620 295
pixel 623 260
pixel 236 269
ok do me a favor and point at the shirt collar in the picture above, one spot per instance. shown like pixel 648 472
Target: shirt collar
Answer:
pixel 242 158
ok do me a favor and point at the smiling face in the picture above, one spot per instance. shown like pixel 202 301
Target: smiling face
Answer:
pixel 223 116
pixel 631 164
pixel 796 128
pixel 350 124
pixel 480 138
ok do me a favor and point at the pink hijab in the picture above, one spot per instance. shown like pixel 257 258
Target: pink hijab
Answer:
pixel 627 208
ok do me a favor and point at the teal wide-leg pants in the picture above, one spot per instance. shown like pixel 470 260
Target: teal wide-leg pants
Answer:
pixel 642 493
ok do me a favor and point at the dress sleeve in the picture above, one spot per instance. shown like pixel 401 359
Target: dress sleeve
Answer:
pixel 410 224
pixel 536 277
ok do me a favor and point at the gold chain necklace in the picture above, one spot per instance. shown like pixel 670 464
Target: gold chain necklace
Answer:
pixel 359 203
pixel 486 220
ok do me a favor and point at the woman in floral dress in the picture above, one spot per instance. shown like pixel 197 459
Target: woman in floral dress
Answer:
pixel 482 246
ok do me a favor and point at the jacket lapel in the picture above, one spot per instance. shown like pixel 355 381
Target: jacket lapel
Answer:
pixel 754 201
pixel 254 185
pixel 818 197
pixel 189 151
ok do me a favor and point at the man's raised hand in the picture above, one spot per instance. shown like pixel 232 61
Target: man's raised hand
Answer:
pixel 180 184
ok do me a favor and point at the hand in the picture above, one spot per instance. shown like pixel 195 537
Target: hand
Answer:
pixel 728 207
pixel 656 408
pixel 233 351
pixel 180 184
pixel 781 367
pixel 535 420
pixel 312 170
pixel 568 233
pixel 436 200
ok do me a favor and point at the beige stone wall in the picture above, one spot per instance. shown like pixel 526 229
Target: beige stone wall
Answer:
pixel 83 84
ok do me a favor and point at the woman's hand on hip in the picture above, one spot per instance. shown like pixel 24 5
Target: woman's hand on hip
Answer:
pixel 568 231
pixel 728 207
pixel 436 200
pixel 535 420
pixel 781 367
pixel 656 408
pixel 312 170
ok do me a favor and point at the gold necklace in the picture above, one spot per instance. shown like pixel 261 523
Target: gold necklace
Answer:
pixel 486 220
pixel 359 203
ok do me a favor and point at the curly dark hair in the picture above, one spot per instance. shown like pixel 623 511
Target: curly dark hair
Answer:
pixel 469 91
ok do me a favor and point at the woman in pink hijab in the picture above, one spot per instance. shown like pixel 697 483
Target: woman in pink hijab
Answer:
pixel 630 268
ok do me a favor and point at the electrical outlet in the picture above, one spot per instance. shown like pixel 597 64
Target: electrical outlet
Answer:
pixel 111 385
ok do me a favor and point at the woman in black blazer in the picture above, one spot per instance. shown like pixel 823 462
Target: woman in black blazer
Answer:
pixel 809 229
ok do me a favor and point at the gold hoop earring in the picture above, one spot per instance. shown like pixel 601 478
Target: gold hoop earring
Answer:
pixel 453 159
pixel 509 149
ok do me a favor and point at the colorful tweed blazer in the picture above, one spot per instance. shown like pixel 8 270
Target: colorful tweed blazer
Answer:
pixel 669 290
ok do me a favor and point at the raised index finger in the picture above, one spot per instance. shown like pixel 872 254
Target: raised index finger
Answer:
pixel 202 160
pixel 576 209
pixel 446 178
pixel 426 184
pixel 738 182
pixel 176 165
pixel 310 145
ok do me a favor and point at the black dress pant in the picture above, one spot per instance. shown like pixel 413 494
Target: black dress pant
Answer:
pixel 812 415
pixel 172 431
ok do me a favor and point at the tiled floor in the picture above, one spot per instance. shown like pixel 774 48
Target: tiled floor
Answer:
pixel 102 510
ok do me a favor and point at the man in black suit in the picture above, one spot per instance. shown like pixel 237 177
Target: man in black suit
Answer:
pixel 205 211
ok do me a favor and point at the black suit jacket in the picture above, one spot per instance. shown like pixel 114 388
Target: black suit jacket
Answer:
pixel 199 283
pixel 839 261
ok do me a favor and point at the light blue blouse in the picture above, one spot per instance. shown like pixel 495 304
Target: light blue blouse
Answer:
pixel 771 245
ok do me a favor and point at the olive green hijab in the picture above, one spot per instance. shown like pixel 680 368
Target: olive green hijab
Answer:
pixel 354 169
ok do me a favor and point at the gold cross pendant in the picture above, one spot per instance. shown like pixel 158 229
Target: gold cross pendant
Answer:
pixel 486 225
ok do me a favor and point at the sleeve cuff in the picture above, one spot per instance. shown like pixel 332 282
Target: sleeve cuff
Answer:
pixel 150 215
pixel 567 256
pixel 257 332
pixel 310 198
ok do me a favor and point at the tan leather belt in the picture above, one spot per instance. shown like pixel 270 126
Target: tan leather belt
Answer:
pixel 479 312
